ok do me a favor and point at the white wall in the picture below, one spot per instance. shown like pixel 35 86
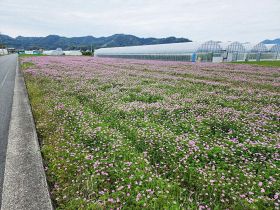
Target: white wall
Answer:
pixel 28 52
pixel 73 52
pixel 3 52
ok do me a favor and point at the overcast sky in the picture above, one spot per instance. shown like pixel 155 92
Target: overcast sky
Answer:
pixel 199 20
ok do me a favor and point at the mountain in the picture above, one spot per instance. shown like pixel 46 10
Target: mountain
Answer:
pixel 85 42
pixel 275 41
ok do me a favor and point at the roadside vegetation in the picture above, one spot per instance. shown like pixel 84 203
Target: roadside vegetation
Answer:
pixel 127 134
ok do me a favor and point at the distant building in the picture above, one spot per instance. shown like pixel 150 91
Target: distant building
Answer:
pixel 28 52
pixel 210 51
pixel 37 52
pixel 21 51
pixel 11 50
pixel 3 52
pixel 73 52
pixel 58 51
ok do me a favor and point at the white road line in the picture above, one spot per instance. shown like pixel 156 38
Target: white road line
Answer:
pixel 3 81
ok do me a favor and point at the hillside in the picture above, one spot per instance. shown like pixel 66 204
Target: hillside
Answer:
pixel 55 41
pixel 275 41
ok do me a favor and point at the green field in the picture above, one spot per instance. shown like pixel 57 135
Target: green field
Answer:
pixel 262 63
pixel 35 55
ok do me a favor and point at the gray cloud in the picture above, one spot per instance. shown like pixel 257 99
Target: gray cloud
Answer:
pixel 244 20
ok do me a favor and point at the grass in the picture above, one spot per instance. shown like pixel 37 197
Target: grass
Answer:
pixel 27 65
pixel 262 63
pixel 125 134
pixel 27 55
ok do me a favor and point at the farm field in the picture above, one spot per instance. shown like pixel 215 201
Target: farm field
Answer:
pixel 132 134
pixel 262 63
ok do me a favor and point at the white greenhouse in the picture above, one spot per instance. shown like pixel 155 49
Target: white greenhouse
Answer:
pixel 73 52
pixel 58 51
pixel 3 52
pixel 210 51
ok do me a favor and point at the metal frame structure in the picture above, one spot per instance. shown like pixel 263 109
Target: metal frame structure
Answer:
pixel 210 51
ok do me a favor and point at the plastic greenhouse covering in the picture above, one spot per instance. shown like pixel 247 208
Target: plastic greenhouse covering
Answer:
pixel 73 52
pixel 210 51
pixel 58 51
pixel 233 47
pixel 259 48
pixel 273 47
pixel 210 46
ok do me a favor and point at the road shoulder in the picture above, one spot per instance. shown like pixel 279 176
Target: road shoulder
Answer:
pixel 25 185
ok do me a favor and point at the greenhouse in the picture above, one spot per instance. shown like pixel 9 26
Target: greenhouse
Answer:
pixel 73 52
pixel 210 51
pixel 58 51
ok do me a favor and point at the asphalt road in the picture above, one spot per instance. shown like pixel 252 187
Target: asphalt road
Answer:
pixel 7 81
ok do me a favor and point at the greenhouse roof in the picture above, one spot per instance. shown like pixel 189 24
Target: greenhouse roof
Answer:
pixel 176 48
pixel 188 48
pixel 273 47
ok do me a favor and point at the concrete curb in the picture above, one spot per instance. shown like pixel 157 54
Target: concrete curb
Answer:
pixel 25 185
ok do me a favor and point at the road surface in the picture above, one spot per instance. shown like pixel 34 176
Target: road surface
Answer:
pixel 7 81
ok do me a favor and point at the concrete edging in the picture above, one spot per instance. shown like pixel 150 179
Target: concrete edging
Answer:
pixel 25 185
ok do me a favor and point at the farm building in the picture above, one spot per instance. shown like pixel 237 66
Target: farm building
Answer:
pixel 3 51
pixel 210 51
pixel 11 50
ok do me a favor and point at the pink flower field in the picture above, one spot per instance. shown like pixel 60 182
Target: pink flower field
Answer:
pixel 135 134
